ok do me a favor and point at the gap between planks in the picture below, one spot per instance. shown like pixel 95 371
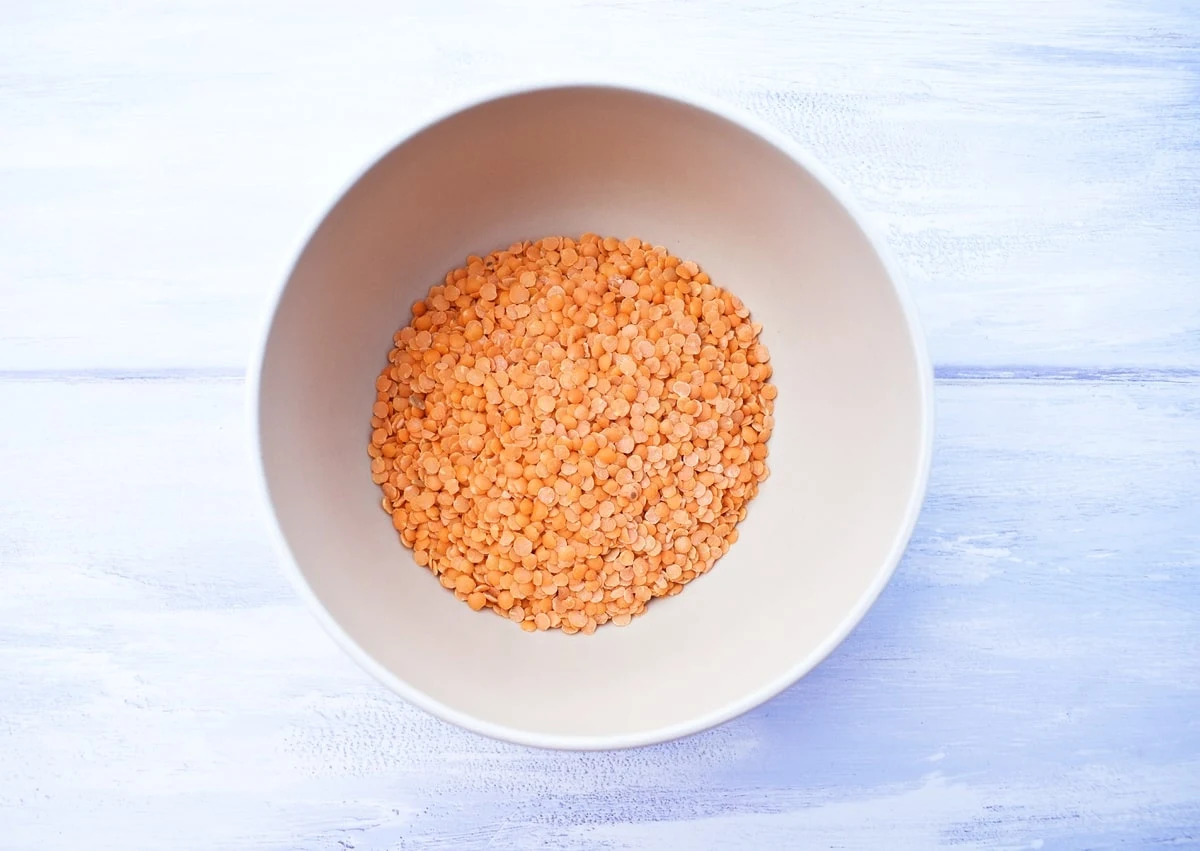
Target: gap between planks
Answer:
pixel 948 374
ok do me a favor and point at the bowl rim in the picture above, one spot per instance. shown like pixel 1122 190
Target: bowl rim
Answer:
pixel 473 99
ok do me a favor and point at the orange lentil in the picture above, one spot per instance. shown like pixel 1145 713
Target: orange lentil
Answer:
pixel 568 429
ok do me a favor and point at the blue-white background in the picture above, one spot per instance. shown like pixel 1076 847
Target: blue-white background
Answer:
pixel 1030 679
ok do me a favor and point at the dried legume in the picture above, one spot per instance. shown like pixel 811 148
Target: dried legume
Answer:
pixel 570 428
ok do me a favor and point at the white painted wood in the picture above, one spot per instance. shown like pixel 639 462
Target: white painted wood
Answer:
pixel 1031 675
pixel 1034 165
pixel 1030 679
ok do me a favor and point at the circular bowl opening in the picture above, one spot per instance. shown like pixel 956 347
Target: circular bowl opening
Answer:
pixel 849 456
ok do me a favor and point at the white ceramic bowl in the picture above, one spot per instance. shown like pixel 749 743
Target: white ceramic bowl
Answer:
pixel 849 457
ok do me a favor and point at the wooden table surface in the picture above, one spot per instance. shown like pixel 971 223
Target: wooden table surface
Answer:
pixel 1030 678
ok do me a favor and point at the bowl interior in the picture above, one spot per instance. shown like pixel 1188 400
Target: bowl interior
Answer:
pixel 846 457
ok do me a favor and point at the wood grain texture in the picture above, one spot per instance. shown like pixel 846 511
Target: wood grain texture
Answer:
pixel 1030 679
pixel 1031 675
pixel 1033 164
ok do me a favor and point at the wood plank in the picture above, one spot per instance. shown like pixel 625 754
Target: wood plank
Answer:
pixel 1034 166
pixel 1031 678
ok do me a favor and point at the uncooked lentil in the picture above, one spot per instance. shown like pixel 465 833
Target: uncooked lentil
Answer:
pixel 570 428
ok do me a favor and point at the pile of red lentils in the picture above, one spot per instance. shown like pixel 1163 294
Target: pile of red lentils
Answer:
pixel 569 428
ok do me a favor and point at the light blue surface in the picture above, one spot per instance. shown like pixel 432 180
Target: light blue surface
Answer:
pixel 1030 678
